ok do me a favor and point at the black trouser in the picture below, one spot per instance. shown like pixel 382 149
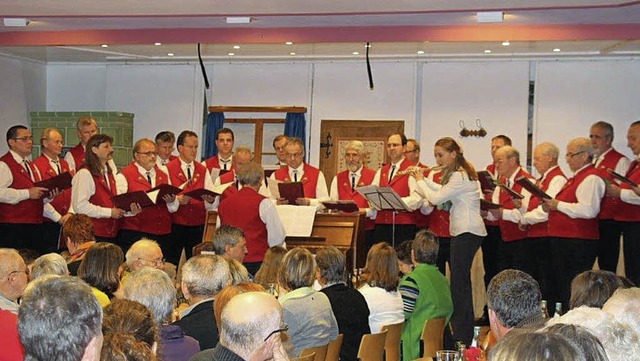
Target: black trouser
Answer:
pixel 403 232
pixel 571 257
pixel 609 244
pixel 183 237
pixel 543 271
pixel 127 237
pixel 50 237
pixel 631 232
pixel 490 245
pixel 444 254
pixel 22 235
pixel 463 249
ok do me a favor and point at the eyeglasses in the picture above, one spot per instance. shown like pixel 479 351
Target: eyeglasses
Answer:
pixel 293 155
pixel 283 328
pixel 159 262
pixel 24 139
pixel 571 155
pixel 149 154
pixel 26 272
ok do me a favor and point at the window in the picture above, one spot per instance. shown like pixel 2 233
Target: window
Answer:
pixel 257 134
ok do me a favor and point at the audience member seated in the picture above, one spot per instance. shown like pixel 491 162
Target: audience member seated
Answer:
pixel 77 233
pixel 380 290
pixel 593 288
pixel 620 341
pixel 580 337
pixel 101 270
pixel 228 293
pixel 513 299
pixel 60 319
pixel 238 271
pixel 130 332
pixel 307 311
pixel 203 277
pixel 49 264
pixel 11 346
pixel 144 253
pixel 348 305
pixel 267 275
pixel 405 264
pixel 624 306
pixel 14 278
pixel 425 293
pixel 251 328
pixel 230 242
pixel 154 289
pixel 534 346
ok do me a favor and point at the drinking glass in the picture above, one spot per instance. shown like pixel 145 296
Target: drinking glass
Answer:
pixel 447 355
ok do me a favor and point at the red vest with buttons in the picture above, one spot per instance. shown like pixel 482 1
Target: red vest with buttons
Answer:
pixel 627 212
pixel 563 226
pixel 345 193
pixel 155 219
pixel 400 184
pixel 62 202
pixel 491 168
pixel 309 179
pixel 542 229
pixel 242 210
pixel 229 177
pixel 192 213
pixel 26 211
pixel 105 227
pixel 78 152
pixel 439 222
pixel 509 230
pixel 609 204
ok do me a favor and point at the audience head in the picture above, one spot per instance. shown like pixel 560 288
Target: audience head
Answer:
pixel 144 253
pixel 49 264
pixel 545 157
pixel 381 269
pixel 279 142
pixel 268 272
pixel 580 337
pixel 298 269
pixel 535 346
pixel 354 155
pixel 14 274
pixel 238 271
pixel 601 134
pixel 405 263
pixel 164 144
pixel 78 229
pixel 86 128
pixel 497 142
pixel 130 332
pixel 331 266
pixel 450 154
pixel 624 306
pixel 204 276
pixel 250 174
pixel 251 325
pixel 593 288
pixel 425 247
pixel 294 152
pixel 580 152
pixel 228 293
pixel 20 140
pixel 60 319
pixel 187 144
pixel 512 297
pixel 154 289
pixel 230 242
pixel 224 141
pixel 100 267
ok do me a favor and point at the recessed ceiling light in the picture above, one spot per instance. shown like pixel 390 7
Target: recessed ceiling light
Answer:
pixel 292 53
pixel 289 43
pixel 506 43
pixel 355 53
pixel 487 51
pixel 157 44
pixel 236 46
pixel 556 50
pixel 104 45
pixel 420 52
pixel 232 54
pixel 239 20
pixel 170 54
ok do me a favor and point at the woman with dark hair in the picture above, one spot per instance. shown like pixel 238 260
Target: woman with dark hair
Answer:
pixel 101 270
pixel 461 189
pixel 130 332
pixel 405 264
pixel 593 288
pixel 380 289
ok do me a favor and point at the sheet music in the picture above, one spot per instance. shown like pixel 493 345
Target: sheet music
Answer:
pixel 297 220
pixel 273 187
pixel 383 198
pixel 153 195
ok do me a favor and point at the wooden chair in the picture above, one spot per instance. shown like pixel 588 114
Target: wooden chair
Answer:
pixel 319 351
pixel 372 346
pixel 309 357
pixel 392 345
pixel 433 336
pixel 333 351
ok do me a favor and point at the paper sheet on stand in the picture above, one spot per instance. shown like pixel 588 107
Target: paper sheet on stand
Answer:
pixel 297 220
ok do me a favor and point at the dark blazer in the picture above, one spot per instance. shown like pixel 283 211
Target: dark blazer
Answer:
pixel 201 325
pixel 352 314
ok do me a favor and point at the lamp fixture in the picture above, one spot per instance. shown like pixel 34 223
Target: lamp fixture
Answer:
pixel 289 43
pixel 16 22
pixel 157 44
pixel 238 20
pixel 490 16
pixel 506 43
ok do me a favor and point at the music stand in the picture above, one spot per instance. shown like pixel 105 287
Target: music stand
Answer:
pixel 385 199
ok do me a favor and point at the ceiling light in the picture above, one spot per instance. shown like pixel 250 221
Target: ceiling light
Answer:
pixel 292 53
pixel 239 20
pixel 289 43
pixel 487 51
pixel 367 45
pixel 236 46
pixel 170 54
pixel 355 53
pixel 104 45
pixel 506 43
pixel 490 17
pixel 556 50
pixel 157 44
pixel 231 54
pixel 17 22
pixel 420 52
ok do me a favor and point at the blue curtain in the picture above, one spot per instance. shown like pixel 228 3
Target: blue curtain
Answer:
pixel 214 122
pixel 294 126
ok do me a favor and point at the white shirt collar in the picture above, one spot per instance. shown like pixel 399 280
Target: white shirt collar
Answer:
pixel 398 163
pixel 143 171
pixel 299 169
pixel 18 158
pixel 358 172
pixel 184 164
pixel 544 176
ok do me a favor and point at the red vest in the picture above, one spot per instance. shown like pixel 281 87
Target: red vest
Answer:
pixel 241 210
pixel 309 179
pixel 563 226
pixel 491 168
pixel 28 210
pixel 627 212
pixel 228 178
pixel 345 193
pixel 62 202
pixel 542 229
pixel 439 222
pixel 609 204
pixel 214 162
pixel 154 219
pixel 104 227
pixel 192 213
pixel 401 185
pixel 509 230
pixel 78 152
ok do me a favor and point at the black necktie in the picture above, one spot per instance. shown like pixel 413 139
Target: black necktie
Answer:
pixel 237 183
pixel 224 164
pixel 26 165
pixel 295 175
pixel 57 162
pixel 353 181
pixel 393 169
pixel 149 178
pixel 188 172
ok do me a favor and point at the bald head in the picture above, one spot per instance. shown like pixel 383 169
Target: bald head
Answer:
pixel 144 253
pixel 13 273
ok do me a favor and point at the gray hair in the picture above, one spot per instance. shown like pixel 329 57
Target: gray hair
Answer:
pixel 226 235
pixel 356 145
pixel 550 149
pixel 154 289
pixel 331 263
pixel 49 264
pixel 514 296
pixel 205 275
pixel 137 250
pixel 583 144
pixel 580 337
pixel 251 174
pixel 58 318
pixel 604 125
pixel 535 346
pixel 510 152
pixel 425 247
pixel 624 306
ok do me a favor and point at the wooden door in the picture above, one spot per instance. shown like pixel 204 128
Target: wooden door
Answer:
pixel 334 135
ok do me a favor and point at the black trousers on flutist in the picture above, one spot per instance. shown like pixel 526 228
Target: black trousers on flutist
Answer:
pixel 463 249
pixel 444 254
pixel 609 244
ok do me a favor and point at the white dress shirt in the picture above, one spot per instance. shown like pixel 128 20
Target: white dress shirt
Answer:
pixel 621 167
pixel 334 195
pixel 413 200
pixel 538 215
pixel 208 182
pixel 72 162
pixel 275 229
pixel 464 195
pixel 83 187
pixel 322 193
pixel 123 185
pixel 589 194
pixel 511 215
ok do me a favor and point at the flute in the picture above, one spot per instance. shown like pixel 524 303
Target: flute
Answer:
pixel 412 169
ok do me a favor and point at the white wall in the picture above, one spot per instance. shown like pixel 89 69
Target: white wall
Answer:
pixel 76 87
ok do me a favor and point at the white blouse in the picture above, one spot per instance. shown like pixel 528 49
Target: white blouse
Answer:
pixel 385 308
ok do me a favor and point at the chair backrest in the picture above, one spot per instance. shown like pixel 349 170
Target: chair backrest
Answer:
pixel 372 346
pixel 308 357
pixel 319 351
pixel 333 351
pixel 392 345
pixel 432 336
